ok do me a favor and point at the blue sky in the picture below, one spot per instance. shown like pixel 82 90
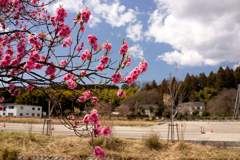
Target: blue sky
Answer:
pixel 199 36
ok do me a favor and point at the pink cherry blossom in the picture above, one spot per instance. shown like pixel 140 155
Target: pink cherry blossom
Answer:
pixel 86 119
pixel 104 59
pixel 94 101
pixel 29 87
pixel 79 48
pixel 83 28
pixel 129 80
pixel 116 77
pixel 11 87
pixel 88 94
pixel 1 100
pixel 83 73
pixel 106 131
pixel 101 67
pixel 107 46
pixel 85 15
pixel 99 152
pixel 121 94
pixel 82 99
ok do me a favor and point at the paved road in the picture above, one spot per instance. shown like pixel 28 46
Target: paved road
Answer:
pixel 224 131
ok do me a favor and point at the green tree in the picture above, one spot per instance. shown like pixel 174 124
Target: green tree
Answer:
pixel 202 80
pixel 124 86
pixel 164 86
pixel 229 78
pixel 194 83
pixel 179 115
pixel 154 84
pixel 196 112
pixel 237 76
pixel 147 87
pixel 187 83
pixel 160 109
pixel 167 113
pixel 220 81
pixel 205 113
pixel 211 79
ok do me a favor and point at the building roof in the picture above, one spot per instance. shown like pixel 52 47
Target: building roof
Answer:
pixel 20 104
pixel 146 106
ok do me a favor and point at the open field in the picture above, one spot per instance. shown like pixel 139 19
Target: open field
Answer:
pixel 13 143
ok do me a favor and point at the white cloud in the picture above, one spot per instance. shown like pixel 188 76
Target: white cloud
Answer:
pixel 136 51
pixel 235 66
pixel 203 32
pixel 112 34
pixel 111 11
pixel 190 59
pixel 74 6
pixel 94 21
pixel 134 32
pixel 114 14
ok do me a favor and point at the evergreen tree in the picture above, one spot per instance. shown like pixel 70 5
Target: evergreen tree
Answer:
pixel 147 87
pixel 187 83
pixel 211 79
pixel 154 84
pixel 229 78
pixel 237 76
pixel 164 86
pixel 220 80
pixel 194 84
pixel 202 80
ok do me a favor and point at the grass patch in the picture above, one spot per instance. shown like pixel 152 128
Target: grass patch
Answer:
pixel 7 154
pixel 13 143
pixel 181 146
pixel 152 140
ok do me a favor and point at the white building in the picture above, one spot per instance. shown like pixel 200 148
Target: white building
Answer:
pixel 21 110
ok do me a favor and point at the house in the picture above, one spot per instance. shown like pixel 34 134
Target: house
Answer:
pixel 148 109
pixel 21 110
pixel 190 107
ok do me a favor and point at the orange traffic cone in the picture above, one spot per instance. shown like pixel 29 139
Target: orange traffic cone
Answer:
pixel 202 130
pixel 211 129
pixel 52 126
pixel 4 124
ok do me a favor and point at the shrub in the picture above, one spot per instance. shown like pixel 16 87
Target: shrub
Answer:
pixel 205 113
pixel 181 146
pixel 195 113
pixel 179 115
pixel 111 143
pixel 9 155
pixel 152 140
pixel 167 113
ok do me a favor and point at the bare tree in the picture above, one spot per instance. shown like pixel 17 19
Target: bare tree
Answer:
pixel 176 91
pixel 223 103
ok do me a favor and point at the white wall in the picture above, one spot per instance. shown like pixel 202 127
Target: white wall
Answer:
pixel 7 111
pixel 26 110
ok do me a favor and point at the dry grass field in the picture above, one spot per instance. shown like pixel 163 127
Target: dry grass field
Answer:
pixel 13 143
